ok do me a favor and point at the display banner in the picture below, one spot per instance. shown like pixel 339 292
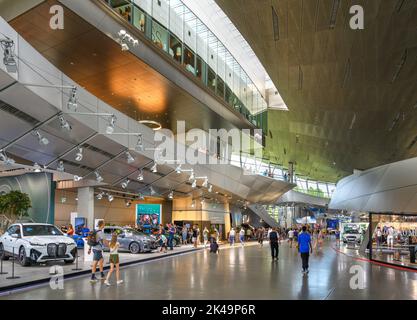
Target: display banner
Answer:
pixel 148 215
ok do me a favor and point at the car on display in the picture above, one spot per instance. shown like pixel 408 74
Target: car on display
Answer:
pixel 36 243
pixel 131 240
pixel 352 236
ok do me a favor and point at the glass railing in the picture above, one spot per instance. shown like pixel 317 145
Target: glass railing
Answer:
pixel 175 30
pixel 263 167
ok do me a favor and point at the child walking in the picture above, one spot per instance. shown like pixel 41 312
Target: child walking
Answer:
pixel 114 260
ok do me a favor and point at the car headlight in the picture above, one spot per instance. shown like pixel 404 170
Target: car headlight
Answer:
pixel 35 244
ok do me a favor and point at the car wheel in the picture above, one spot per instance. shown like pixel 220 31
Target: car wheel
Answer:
pixel 3 253
pixel 134 247
pixel 23 259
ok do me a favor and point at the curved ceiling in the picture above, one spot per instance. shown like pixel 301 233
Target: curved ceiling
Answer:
pixel 352 95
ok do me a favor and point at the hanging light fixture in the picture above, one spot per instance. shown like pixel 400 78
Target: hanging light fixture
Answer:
pixel 72 101
pixel 140 176
pixel 77 178
pixel 129 158
pixel 7 161
pixel 205 183
pixel 178 169
pixel 41 139
pixel 139 143
pixel 37 167
pixel 154 168
pixel 171 195
pixel 100 196
pixel 60 166
pixel 111 124
pixel 79 155
pixel 99 178
pixel 125 183
pixel 64 124
pixel 110 197
pixel 128 203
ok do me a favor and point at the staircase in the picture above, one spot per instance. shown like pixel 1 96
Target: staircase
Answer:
pixel 262 213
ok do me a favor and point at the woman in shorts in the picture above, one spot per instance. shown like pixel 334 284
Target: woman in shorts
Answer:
pixel 114 260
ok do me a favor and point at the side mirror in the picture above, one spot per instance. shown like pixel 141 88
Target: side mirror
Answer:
pixel 15 235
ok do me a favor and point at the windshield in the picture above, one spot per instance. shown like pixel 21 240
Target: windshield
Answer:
pixel 352 231
pixel 134 232
pixel 40 230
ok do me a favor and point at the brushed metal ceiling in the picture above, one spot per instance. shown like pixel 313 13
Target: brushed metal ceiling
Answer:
pixel 352 95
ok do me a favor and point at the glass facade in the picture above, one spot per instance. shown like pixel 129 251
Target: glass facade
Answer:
pixel 263 167
pixel 174 29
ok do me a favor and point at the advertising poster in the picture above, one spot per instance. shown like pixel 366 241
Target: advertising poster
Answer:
pixel 148 216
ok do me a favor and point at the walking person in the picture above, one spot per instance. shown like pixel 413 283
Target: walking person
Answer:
pixel 274 243
pixel 232 236
pixel 184 235
pixel 378 239
pixel 242 236
pixel 96 244
pixel 195 236
pixel 114 260
pixel 291 237
pixel 337 234
pixel 305 248
pixel 260 235
pixel 205 236
pixel 171 231
pixel 163 242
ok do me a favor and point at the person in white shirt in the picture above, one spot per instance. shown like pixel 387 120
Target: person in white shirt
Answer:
pixel 242 236
pixel 291 237
pixel 378 238
pixel 232 236
pixel 390 238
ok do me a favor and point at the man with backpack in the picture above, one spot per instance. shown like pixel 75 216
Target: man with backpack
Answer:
pixel 96 243
pixel 273 242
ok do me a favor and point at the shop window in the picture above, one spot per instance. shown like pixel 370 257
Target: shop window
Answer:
pixel 175 48
pixel 211 79
pixel 159 36
pixel 220 87
pixel 228 95
pixel 140 19
pixel 199 72
pixel 189 60
pixel 123 8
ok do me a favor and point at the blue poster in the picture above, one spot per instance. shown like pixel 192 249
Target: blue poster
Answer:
pixel 148 216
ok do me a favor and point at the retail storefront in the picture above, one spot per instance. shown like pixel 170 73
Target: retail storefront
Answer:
pixel 393 239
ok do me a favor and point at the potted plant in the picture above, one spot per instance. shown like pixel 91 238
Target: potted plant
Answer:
pixel 15 205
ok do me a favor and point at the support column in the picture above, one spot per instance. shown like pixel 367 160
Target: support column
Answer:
pixel 85 206
pixel 290 172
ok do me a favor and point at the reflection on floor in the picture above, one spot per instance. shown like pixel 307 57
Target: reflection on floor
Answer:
pixel 244 273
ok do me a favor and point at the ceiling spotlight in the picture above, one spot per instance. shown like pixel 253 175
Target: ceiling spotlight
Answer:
pixel 7 161
pixel 37 167
pixel 110 197
pixel 154 168
pixel 111 124
pixel 171 195
pixel 42 140
pixel 194 184
pixel 178 169
pixel 125 183
pixel 72 101
pixel 8 50
pixel 202 201
pixel 60 166
pixel 125 39
pixel 128 203
pixel 205 183
pixel 210 189
pixel 192 176
pixel 100 196
pixel 63 199
pixel 129 158
pixel 152 190
pixel 140 176
pixel 77 178
pixel 79 155
pixel 64 124
pixel 99 178
pixel 139 143
pixel 193 204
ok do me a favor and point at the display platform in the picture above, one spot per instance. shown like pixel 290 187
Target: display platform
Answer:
pixel 38 274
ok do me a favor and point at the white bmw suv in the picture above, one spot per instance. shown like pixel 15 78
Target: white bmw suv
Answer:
pixel 36 243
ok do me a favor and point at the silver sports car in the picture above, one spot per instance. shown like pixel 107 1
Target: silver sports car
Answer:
pixel 131 240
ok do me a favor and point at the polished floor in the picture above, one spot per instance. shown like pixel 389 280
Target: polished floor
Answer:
pixel 242 273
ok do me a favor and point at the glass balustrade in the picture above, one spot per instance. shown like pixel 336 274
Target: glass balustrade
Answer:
pixel 175 30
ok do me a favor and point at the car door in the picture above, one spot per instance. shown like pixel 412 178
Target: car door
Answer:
pixel 14 243
pixel 7 239
pixel 124 239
